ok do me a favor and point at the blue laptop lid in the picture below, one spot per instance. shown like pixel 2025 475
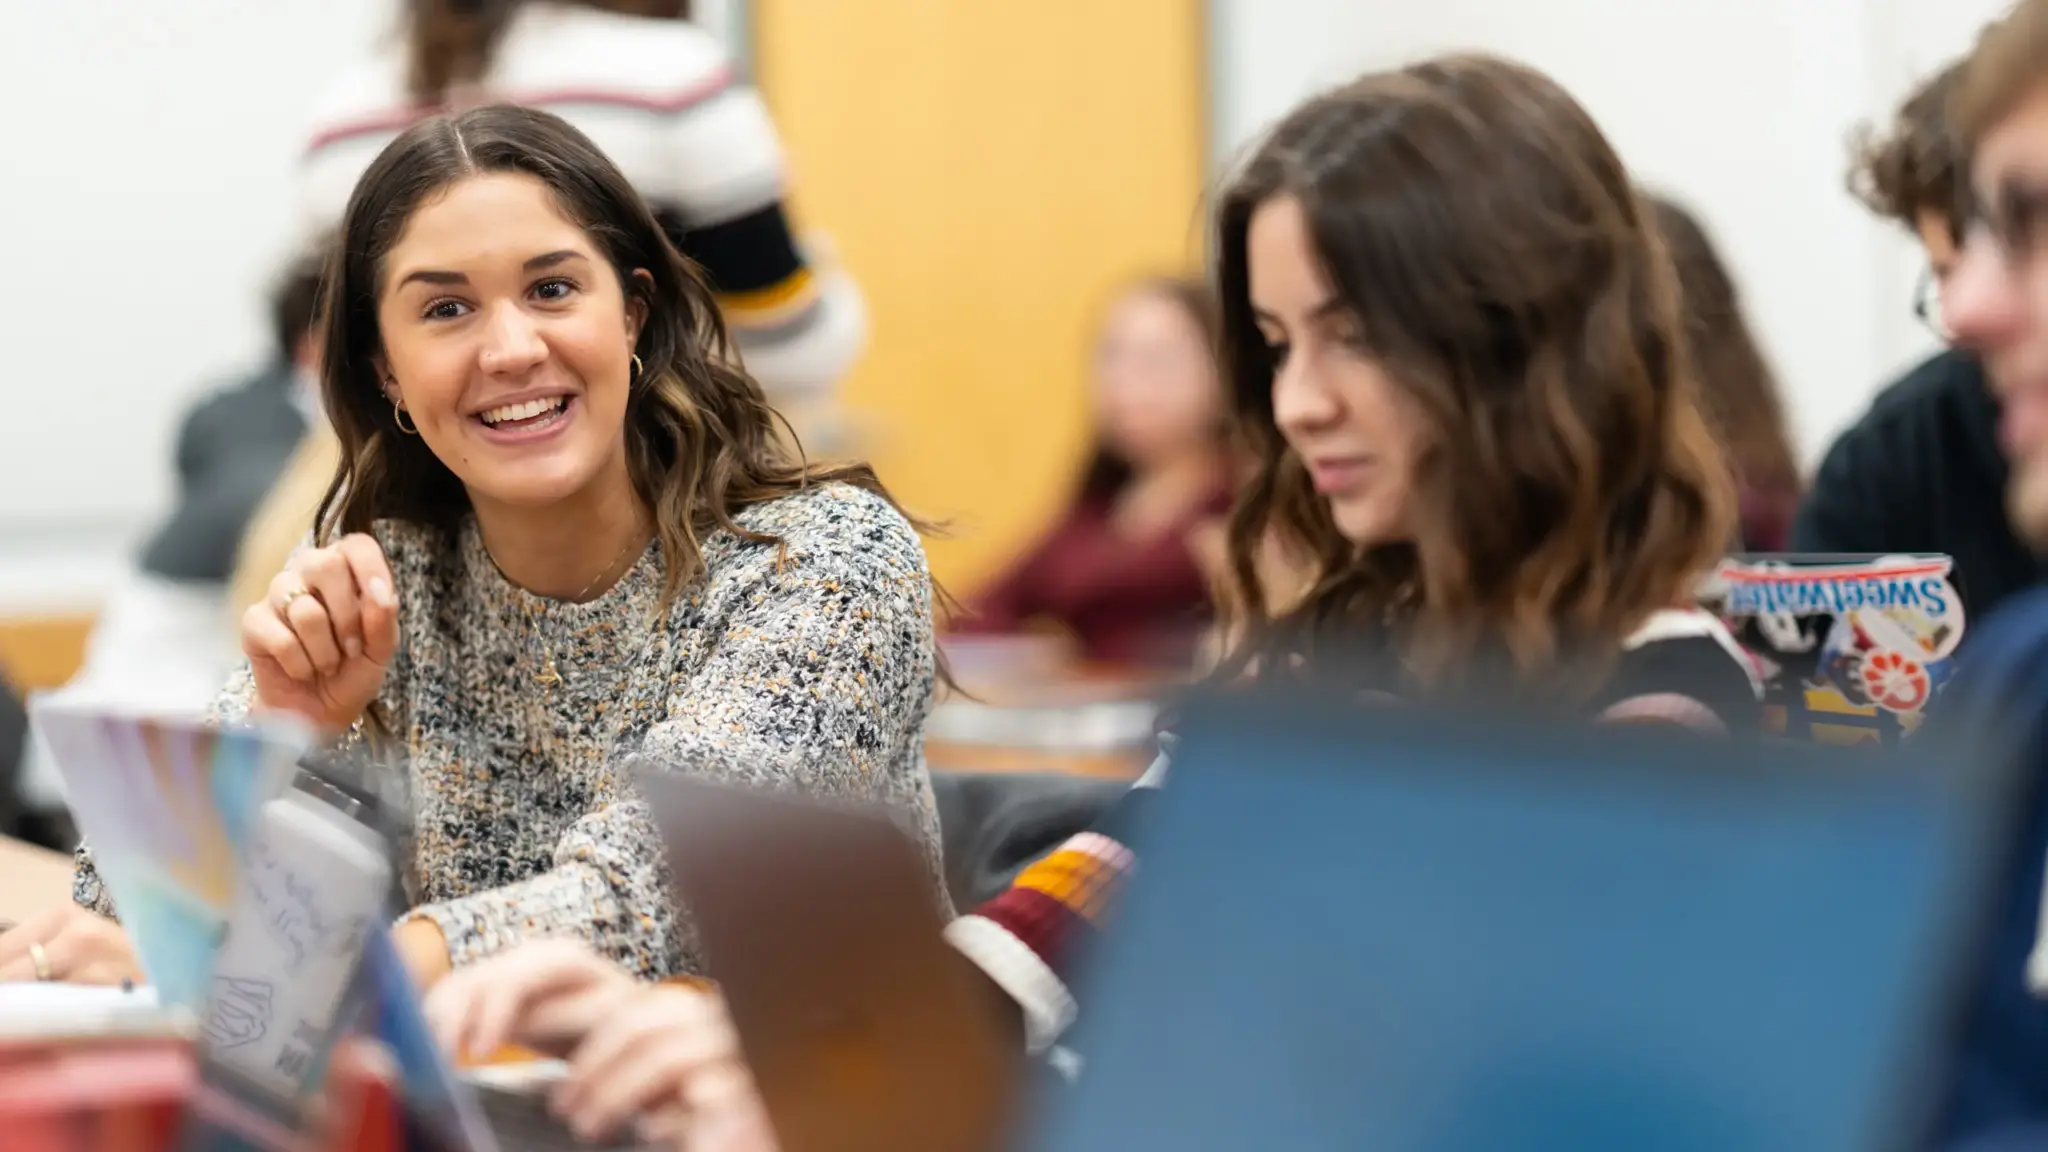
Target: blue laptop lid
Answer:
pixel 1375 930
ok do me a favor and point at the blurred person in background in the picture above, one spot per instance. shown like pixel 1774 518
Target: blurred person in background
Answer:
pixel 284 520
pixel 16 820
pixel 1408 269
pixel 1923 469
pixel 1738 390
pixel 1116 572
pixel 662 98
pixel 165 638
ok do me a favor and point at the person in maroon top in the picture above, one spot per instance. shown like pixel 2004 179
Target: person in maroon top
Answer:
pixel 1116 571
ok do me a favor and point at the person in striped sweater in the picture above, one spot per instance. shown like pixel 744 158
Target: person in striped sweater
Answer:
pixel 1454 344
pixel 661 97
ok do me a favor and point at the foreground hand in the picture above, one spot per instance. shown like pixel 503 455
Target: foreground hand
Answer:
pixel 671 1057
pixel 547 995
pixel 725 1115
pixel 319 642
pixel 423 950
pixel 78 947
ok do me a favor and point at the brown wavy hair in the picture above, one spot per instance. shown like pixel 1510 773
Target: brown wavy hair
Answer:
pixel 450 42
pixel 1738 391
pixel 1487 242
pixel 702 442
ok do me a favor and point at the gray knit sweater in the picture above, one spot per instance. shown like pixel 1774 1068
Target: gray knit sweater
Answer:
pixel 812 670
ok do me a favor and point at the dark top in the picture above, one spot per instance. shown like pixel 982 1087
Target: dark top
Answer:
pixel 1998 1088
pixel 1136 603
pixel 1712 685
pixel 13 735
pixel 1922 472
pixel 232 448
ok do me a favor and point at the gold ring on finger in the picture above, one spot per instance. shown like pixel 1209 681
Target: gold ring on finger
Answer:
pixel 285 605
pixel 41 959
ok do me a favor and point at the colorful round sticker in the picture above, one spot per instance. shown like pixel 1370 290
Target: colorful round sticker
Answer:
pixel 1891 627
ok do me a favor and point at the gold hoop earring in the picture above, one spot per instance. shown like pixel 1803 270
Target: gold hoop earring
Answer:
pixel 639 370
pixel 398 418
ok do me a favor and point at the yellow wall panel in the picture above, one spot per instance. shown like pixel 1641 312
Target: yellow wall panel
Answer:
pixel 989 170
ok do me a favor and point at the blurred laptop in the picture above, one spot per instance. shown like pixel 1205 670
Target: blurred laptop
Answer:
pixel 1407 933
pixel 255 875
pixel 821 924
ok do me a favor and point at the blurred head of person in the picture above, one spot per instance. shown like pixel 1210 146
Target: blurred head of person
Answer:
pixel 1996 302
pixel 1454 343
pixel 1159 402
pixel 1916 174
pixel 451 41
pixel 511 335
pixel 1738 391
pixel 295 310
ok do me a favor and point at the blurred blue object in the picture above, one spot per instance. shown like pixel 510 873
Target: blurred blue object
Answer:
pixel 1411 933
pixel 1998 1090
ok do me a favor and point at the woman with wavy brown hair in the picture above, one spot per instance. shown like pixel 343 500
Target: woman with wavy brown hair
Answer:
pixel 1453 336
pixel 564 534
pixel 1455 345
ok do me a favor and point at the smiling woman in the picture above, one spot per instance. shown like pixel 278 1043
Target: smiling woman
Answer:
pixel 563 533
pixel 513 365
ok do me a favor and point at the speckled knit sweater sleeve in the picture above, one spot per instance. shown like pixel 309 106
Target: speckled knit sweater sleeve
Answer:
pixel 807 666
pixel 817 674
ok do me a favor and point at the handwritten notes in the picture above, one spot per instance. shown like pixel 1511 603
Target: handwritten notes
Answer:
pixel 313 888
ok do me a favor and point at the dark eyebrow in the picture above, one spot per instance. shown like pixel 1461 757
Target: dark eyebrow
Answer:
pixel 1332 307
pixel 427 276
pixel 544 260
pixel 550 259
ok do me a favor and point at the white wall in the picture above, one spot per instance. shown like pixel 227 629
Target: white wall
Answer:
pixel 144 187
pixel 146 177
pixel 148 150
pixel 1739 107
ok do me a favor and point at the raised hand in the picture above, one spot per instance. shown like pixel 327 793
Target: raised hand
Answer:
pixel 320 641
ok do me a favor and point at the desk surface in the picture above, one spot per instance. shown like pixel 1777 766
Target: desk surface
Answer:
pixel 31 879
pixel 1042 715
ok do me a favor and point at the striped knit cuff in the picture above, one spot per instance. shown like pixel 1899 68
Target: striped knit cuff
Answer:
pixel 1047 1005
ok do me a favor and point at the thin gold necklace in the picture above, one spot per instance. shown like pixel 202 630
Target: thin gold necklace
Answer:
pixel 549 676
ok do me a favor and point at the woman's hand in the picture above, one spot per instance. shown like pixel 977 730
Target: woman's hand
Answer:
pixel 547 995
pixel 424 951
pixel 666 1058
pixel 76 947
pixel 320 641
pixel 724 1114
pixel 670 1057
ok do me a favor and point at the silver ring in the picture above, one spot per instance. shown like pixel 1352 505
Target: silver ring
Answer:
pixel 41 960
